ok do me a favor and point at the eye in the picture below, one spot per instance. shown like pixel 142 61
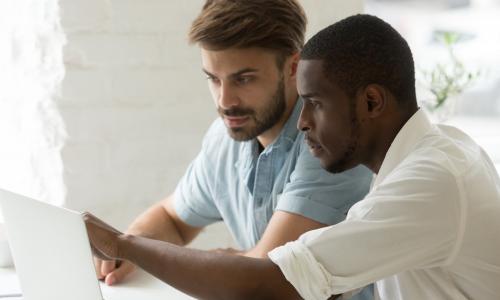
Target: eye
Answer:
pixel 213 79
pixel 241 80
pixel 315 104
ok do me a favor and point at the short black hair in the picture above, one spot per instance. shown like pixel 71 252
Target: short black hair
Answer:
pixel 361 50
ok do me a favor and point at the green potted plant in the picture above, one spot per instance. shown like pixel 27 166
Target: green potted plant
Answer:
pixel 446 80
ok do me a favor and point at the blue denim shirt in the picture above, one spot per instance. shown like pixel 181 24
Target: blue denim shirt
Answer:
pixel 231 181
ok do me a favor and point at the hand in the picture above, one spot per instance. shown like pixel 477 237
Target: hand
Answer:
pixel 104 242
pixel 113 271
pixel 103 238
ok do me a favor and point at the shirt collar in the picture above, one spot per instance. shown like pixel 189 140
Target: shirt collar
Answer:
pixel 403 144
pixel 283 142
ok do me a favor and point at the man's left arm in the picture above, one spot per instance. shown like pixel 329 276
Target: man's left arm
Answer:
pixel 204 275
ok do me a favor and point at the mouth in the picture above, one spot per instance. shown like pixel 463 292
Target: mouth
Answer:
pixel 235 121
pixel 314 147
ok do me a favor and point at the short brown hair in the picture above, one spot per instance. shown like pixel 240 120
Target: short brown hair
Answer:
pixel 278 25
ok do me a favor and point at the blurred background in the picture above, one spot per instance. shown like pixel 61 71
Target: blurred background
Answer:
pixel 103 103
pixel 473 27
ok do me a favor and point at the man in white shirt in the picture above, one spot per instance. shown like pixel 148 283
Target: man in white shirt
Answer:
pixel 428 229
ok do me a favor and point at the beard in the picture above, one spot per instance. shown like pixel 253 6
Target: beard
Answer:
pixel 345 161
pixel 260 120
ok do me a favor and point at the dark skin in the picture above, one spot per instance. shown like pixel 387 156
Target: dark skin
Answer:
pixel 201 274
pixel 342 135
pixel 354 131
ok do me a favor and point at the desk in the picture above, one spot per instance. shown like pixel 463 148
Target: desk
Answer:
pixel 138 286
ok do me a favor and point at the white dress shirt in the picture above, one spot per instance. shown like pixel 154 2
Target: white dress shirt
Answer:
pixel 428 229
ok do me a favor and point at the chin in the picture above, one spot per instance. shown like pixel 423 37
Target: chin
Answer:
pixel 336 170
pixel 338 166
pixel 242 134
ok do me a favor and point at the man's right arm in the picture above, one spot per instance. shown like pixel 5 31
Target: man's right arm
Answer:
pixel 162 222
pixel 159 222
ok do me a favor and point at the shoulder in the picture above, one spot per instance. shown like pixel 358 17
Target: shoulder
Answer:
pixel 445 150
pixel 216 133
pixel 219 149
pixel 432 169
pixel 216 138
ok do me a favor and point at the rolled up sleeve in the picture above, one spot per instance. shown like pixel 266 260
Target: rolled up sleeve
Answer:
pixel 412 221
pixel 298 263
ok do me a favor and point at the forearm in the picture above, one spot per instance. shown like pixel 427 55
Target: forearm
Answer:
pixel 282 228
pixel 155 223
pixel 207 275
pixel 254 252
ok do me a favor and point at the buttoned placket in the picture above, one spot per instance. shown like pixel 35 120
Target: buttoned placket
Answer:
pixel 259 170
pixel 262 188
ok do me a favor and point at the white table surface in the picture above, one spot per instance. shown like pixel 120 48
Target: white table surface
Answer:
pixel 140 285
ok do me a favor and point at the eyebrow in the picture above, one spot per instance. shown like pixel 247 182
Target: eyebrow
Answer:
pixel 235 74
pixel 309 95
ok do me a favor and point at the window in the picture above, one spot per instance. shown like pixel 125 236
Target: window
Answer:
pixel 474 24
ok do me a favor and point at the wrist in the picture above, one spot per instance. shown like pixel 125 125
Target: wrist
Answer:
pixel 138 231
pixel 124 243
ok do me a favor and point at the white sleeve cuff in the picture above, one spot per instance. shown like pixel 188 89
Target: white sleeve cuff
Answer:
pixel 311 280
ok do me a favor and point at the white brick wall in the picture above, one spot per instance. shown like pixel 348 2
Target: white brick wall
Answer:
pixel 321 13
pixel 134 103
pixel 31 130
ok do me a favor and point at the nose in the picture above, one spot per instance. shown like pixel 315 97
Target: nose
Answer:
pixel 227 96
pixel 304 123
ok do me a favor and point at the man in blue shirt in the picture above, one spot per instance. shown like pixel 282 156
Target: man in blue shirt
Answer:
pixel 254 171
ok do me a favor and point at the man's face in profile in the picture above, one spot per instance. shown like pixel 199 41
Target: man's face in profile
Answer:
pixel 248 89
pixel 328 118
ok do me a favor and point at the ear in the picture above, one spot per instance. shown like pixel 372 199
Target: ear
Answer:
pixel 293 62
pixel 374 98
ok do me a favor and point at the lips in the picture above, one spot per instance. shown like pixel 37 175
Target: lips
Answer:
pixel 233 121
pixel 314 147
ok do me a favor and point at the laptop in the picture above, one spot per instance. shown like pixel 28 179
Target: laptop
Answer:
pixel 50 249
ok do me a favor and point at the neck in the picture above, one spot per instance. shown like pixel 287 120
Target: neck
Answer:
pixel 383 141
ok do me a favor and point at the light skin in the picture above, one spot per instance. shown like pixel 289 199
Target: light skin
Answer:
pixel 378 119
pixel 240 80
